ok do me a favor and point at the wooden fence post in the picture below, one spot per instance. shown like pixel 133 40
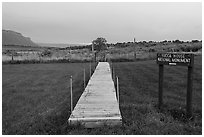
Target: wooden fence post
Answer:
pixel 71 94
pixel 95 54
pixel 113 76
pixel 117 89
pixel 90 69
pixel 135 55
pixel 12 57
pixel 112 69
pixel 84 78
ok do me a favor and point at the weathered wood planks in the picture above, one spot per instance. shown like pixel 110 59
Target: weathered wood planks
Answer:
pixel 97 105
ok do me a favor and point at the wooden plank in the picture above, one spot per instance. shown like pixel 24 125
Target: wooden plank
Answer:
pixel 98 104
pixel 92 122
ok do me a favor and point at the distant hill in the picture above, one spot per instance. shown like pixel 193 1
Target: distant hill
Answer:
pixel 10 37
pixel 61 45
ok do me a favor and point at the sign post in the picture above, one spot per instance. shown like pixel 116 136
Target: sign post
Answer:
pixel 189 92
pixel 174 59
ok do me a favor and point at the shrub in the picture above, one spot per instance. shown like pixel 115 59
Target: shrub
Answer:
pixel 152 50
pixel 193 48
pixel 121 60
pixel 46 53
pixel 177 41
pixel 195 41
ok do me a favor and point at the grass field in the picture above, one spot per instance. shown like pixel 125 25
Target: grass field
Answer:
pixel 36 99
pixel 139 96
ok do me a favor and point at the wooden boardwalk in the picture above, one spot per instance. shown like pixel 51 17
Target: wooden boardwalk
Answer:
pixel 98 104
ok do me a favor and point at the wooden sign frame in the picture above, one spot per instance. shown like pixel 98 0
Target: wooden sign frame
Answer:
pixel 180 59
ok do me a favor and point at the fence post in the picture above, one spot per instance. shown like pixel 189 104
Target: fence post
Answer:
pixel 111 69
pixel 84 78
pixel 71 94
pixel 12 57
pixel 117 89
pixel 90 69
pixel 113 72
pixel 161 73
pixel 94 56
pixel 113 75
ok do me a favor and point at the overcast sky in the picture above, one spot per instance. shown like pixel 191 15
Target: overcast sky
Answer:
pixel 117 22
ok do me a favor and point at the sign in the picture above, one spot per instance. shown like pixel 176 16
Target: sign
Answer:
pixel 175 59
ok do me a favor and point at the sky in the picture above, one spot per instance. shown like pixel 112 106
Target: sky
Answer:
pixel 116 22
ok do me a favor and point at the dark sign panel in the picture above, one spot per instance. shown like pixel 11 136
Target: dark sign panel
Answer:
pixel 175 59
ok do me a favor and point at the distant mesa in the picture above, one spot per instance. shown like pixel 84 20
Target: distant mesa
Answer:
pixel 10 38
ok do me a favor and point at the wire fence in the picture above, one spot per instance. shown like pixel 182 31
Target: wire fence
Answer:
pixel 79 57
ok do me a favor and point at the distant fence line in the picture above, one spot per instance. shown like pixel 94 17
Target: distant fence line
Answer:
pixel 119 57
pixel 45 58
pixel 81 57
